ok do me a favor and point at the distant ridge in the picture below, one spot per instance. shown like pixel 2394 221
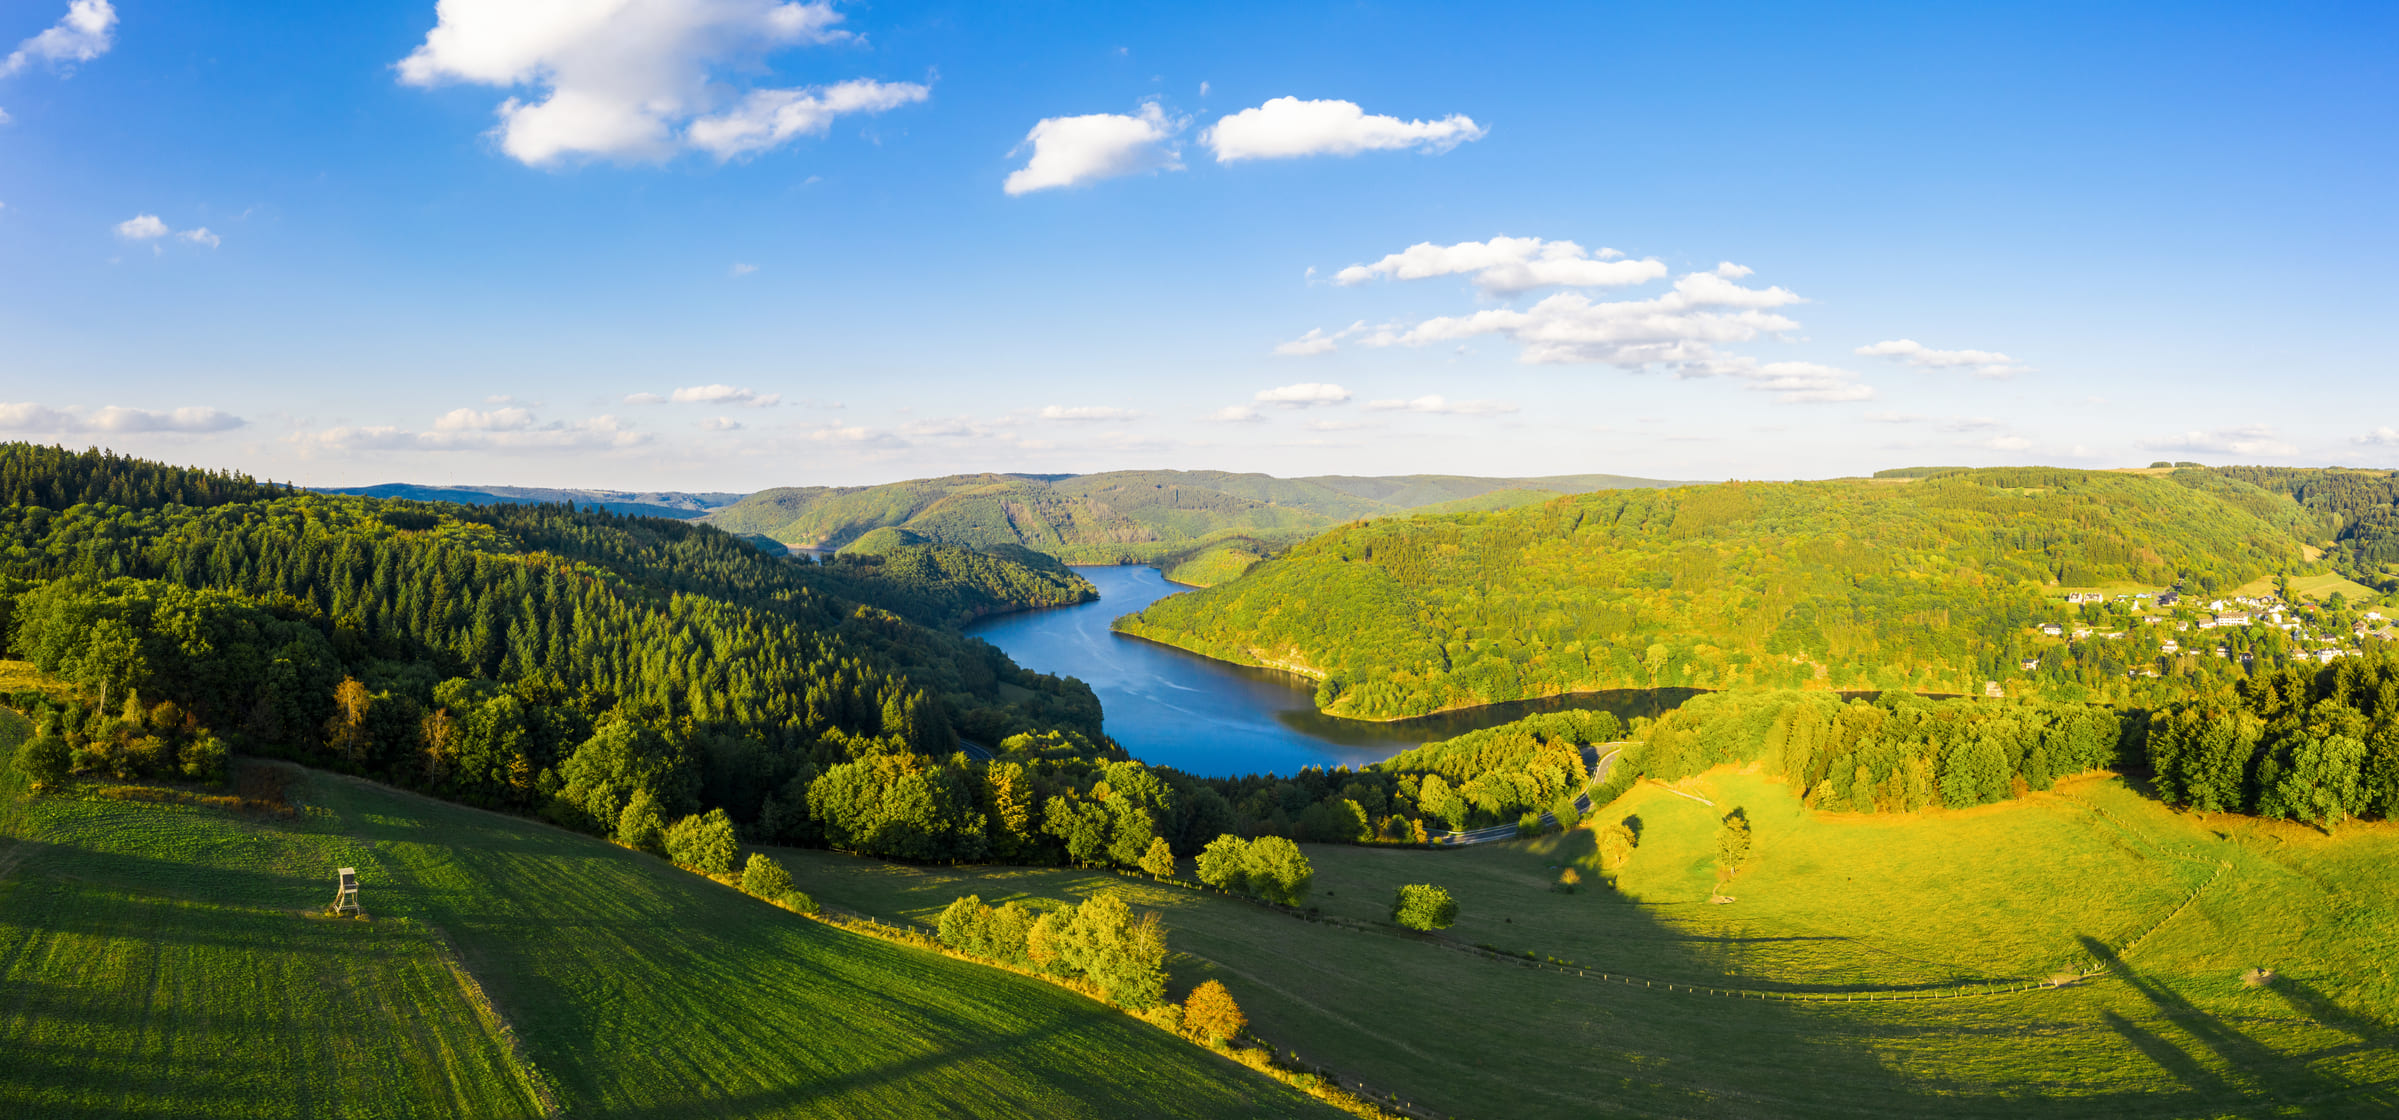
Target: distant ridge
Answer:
pixel 644 503
pixel 1200 526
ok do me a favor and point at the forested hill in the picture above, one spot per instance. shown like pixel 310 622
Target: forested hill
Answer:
pixel 1929 585
pixel 638 503
pixel 527 656
pixel 1165 517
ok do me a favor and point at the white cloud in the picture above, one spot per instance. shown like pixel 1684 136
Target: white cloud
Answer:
pixel 768 117
pixel 1682 326
pixel 148 227
pixel 2247 440
pixel 1984 363
pixel 1086 413
pixel 740 269
pixel 720 394
pixel 83 34
pixel 1790 382
pixel 114 419
pixel 1438 404
pixel 632 79
pixel 1235 414
pixel 2379 437
pixel 498 430
pixel 720 424
pixel 1895 418
pixel 1731 271
pixel 1507 265
pixel 495 420
pixel 1313 342
pixel 2007 443
pixel 1071 151
pixel 1303 395
pixel 142 227
pixel 1287 127
pixel 644 398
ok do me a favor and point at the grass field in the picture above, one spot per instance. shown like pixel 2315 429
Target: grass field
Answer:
pixel 1832 904
pixel 164 960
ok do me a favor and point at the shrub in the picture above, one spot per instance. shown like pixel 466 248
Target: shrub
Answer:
pixel 764 878
pixel 1210 1013
pixel 203 758
pixel 44 760
pixel 638 826
pixel 703 842
pixel 1423 906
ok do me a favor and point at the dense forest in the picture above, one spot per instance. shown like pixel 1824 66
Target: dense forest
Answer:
pixel 2319 745
pixel 1198 526
pixel 1931 586
pixel 534 657
pixel 2357 512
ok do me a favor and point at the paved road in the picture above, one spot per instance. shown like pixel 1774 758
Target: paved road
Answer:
pixel 1598 764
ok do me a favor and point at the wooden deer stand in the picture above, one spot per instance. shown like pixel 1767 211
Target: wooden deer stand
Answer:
pixel 345 896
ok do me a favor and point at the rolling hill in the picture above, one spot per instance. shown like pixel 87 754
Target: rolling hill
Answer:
pixel 1172 518
pixel 170 959
pixel 1929 585
pixel 637 503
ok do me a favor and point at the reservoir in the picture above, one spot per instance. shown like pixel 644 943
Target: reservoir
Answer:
pixel 1207 717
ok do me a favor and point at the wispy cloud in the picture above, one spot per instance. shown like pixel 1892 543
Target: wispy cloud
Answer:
pixel 709 394
pixel 1306 394
pixel 505 430
pixel 114 419
pixel 83 34
pixel 1983 363
pixel 1435 403
pixel 1086 413
pixel 2247 440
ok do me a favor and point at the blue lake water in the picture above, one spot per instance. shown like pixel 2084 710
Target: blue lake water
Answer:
pixel 1196 714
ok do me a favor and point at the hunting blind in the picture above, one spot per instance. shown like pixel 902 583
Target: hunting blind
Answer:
pixel 345 895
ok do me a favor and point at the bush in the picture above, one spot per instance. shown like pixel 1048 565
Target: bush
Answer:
pixel 1423 906
pixel 799 900
pixel 44 759
pixel 764 878
pixel 1210 1013
pixel 203 758
pixel 638 826
pixel 703 842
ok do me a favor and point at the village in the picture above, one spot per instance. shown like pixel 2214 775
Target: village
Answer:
pixel 2253 626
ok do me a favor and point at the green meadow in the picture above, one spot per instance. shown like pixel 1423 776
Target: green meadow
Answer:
pixel 1866 919
pixel 170 960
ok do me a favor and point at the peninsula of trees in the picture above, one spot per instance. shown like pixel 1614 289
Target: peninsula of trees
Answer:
pixel 1933 585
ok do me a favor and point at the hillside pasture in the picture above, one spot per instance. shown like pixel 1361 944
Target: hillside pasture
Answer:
pixel 1834 907
pixel 170 960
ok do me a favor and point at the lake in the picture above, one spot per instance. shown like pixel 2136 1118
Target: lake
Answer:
pixel 1204 716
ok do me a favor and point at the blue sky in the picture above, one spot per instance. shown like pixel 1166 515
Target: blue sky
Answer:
pixel 494 240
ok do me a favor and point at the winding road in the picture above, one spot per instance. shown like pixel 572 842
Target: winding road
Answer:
pixel 1598 764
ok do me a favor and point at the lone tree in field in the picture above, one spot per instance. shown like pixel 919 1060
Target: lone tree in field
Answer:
pixel 1159 861
pixel 1616 843
pixel 1423 906
pixel 1210 1013
pixel 1732 843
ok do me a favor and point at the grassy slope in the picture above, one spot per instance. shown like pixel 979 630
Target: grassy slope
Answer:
pixel 161 960
pixel 1833 903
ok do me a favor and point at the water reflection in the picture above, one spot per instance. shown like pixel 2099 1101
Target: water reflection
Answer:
pixel 1177 709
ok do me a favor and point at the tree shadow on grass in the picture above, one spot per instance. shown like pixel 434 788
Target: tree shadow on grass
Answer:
pixel 2258 1073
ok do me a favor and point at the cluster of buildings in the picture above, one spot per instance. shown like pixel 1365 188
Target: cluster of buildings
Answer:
pixel 2236 612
